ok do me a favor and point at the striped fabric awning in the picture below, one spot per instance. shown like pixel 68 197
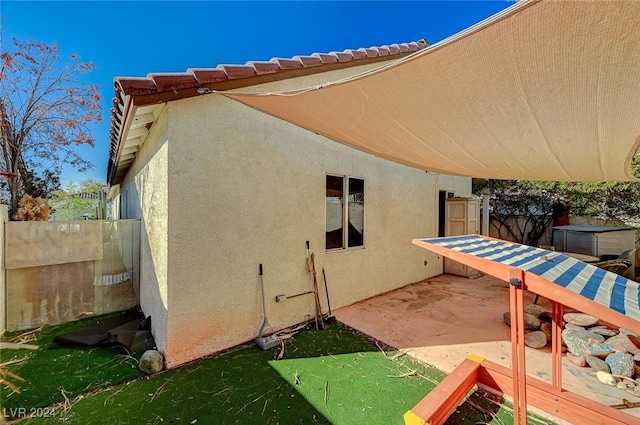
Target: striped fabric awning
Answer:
pixel 608 289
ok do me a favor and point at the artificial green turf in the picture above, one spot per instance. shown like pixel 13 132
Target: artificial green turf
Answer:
pixel 49 372
pixel 336 376
pixel 359 387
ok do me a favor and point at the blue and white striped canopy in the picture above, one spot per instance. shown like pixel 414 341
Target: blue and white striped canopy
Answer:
pixel 608 289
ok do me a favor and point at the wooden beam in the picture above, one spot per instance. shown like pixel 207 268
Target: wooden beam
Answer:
pixel 566 405
pixel 438 405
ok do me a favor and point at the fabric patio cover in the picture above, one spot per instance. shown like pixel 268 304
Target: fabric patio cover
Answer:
pixel 545 90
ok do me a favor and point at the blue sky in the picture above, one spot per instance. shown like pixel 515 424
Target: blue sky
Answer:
pixel 125 38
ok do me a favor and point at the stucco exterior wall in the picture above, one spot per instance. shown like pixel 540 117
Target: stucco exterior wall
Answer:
pixel 245 188
pixel 144 195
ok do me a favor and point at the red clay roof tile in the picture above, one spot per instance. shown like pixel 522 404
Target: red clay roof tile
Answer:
pixel 357 54
pixel 342 56
pixel 287 63
pixel 208 75
pixel 238 71
pixel 264 67
pixel 136 85
pixel 308 61
pixel 326 57
pixel 173 81
pixel 154 88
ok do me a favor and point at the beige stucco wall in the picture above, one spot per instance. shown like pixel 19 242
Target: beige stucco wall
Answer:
pixel 4 217
pixel 144 195
pixel 221 188
pixel 245 189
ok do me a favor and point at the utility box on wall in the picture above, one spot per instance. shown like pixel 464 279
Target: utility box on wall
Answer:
pixel 462 218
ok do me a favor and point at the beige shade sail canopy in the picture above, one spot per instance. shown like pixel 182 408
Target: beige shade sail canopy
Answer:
pixel 545 90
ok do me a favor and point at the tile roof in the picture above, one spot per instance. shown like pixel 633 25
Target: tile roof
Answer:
pixel 158 88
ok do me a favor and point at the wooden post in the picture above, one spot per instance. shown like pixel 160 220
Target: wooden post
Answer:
pixel 516 296
pixel 556 346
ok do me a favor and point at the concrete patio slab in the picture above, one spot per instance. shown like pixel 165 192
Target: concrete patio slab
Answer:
pixel 443 319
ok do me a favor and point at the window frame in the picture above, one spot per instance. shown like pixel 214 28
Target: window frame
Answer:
pixel 345 212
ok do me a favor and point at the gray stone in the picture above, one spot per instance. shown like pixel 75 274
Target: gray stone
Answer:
pixel 574 327
pixel 151 361
pixel 622 342
pixel 576 343
pixel 627 332
pixel 620 363
pixel 592 336
pixel 603 330
pixel 577 360
pixel 546 328
pixel 535 310
pixel 531 322
pixel 599 350
pixel 580 319
pixel 535 339
pixel 597 364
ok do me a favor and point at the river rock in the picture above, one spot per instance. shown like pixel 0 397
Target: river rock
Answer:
pixel 592 337
pixel 599 350
pixel 574 327
pixel 535 310
pixel 580 319
pixel 597 364
pixel 621 342
pixel 531 322
pixel 576 343
pixel 151 361
pixel 535 339
pixel 603 330
pixel 577 360
pixel 620 363
pixel 546 328
pixel 627 332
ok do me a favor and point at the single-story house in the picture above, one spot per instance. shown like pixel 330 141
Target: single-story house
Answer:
pixel 238 165
pixel 220 188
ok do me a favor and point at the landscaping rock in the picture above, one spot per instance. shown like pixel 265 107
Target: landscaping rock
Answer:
pixel 599 350
pixel 546 328
pixel 531 322
pixel 151 361
pixel 603 330
pixel 535 339
pixel 627 332
pixel 574 327
pixel 580 319
pixel 621 363
pixel 576 343
pixel 577 360
pixel 593 337
pixel 621 342
pixel 535 310
pixel 597 364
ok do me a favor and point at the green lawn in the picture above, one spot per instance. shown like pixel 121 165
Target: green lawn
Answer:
pixel 336 376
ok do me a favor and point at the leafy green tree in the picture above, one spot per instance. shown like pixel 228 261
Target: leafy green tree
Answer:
pixel 533 202
pixel 45 113
pixel 76 202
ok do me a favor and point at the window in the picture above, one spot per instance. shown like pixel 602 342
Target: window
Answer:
pixel 337 214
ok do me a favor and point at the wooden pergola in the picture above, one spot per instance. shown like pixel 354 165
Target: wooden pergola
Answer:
pixel 563 280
